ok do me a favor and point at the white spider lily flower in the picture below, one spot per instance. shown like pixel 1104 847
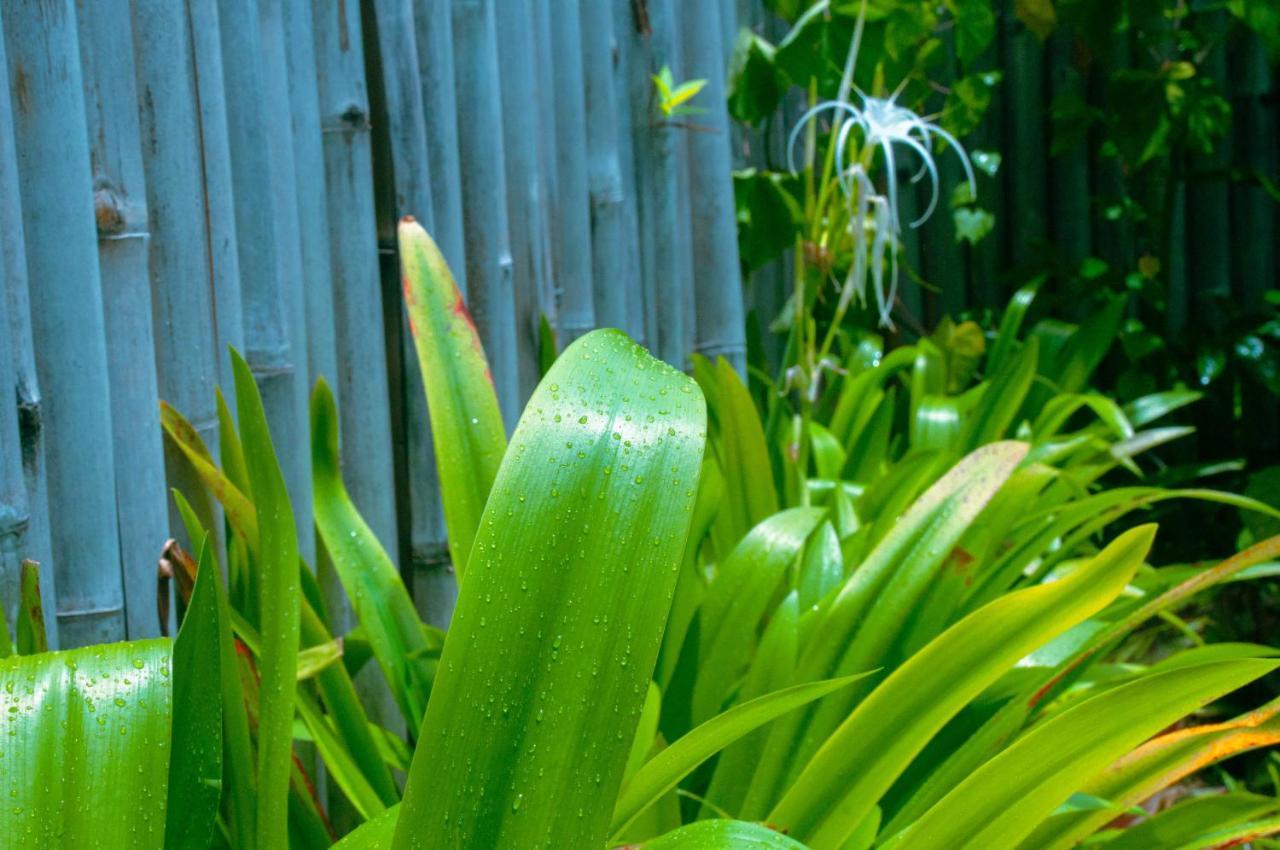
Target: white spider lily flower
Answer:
pixel 885 125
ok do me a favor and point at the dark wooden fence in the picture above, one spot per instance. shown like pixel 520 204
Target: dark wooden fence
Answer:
pixel 178 176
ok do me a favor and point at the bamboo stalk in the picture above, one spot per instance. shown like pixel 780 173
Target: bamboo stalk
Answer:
pixel 1069 170
pixel 1209 255
pixel 990 257
pixel 119 198
pixel 630 94
pixel 277 121
pixel 27 442
pixel 572 239
pixel 614 276
pixel 434 586
pixel 182 284
pixel 527 213
pixel 218 196
pixel 657 144
pixel 361 377
pixel 544 62
pixel 434 29
pixel 53 173
pixel 264 229
pixel 484 189
pixel 1025 139
pixel 716 274
pixel 14 513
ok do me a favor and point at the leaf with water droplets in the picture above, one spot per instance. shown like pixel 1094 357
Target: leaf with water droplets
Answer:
pixel 553 642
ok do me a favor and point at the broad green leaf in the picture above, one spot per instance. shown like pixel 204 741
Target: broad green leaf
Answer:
pixel 661 773
pixel 877 742
pixel 1239 835
pixel 740 448
pixel 1157 764
pixel 238 506
pixel 279 605
pixel 466 424
pixel 30 637
pixel 872 608
pixel 378 595
pixel 557 626
pixel 739 597
pixel 85 736
pixel 1002 801
pixel 375 834
pixel 723 835
pixel 238 769
pixel 195 764
pixel 1194 820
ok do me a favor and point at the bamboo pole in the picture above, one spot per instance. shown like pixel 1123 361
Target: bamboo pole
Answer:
pixel 434 585
pixel 1069 170
pixel 218 196
pixel 484 189
pixel 990 257
pixel 434 28
pixel 53 172
pixel 361 378
pixel 613 275
pixel 684 208
pixel 657 145
pixel 572 238
pixel 527 213
pixel 277 122
pixel 627 98
pixel 14 513
pixel 182 283
pixel 20 373
pixel 716 274
pixel 550 102
pixel 1209 255
pixel 1025 139
pixel 264 228
pixel 120 209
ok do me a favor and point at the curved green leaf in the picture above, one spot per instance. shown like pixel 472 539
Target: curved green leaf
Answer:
pixel 1002 801
pixel 195 767
pixel 378 595
pixel 723 835
pixel 85 738
pixel 279 607
pixel 557 626
pixel 871 748
pixel 661 773
pixel 466 424
pixel 1194 822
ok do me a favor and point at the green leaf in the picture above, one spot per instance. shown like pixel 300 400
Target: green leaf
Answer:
pixel 1193 820
pixel 998 804
pixel 975 27
pixel 378 595
pixel 661 773
pixel 466 424
pixel 1038 16
pixel 195 766
pixel 739 597
pixel 557 626
pixel 723 835
pixel 375 834
pixel 868 752
pixel 279 607
pixel 755 85
pixel 972 224
pixel 30 635
pixel 86 746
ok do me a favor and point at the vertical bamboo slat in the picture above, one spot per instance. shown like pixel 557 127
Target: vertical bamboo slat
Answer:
pixel 1024 138
pixel 434 27
pixel 572 237
pixel 1209 257
pixel 612 275
pixel 262 231
pixel 527 214
pixel 66 314
pixel 716 275
pixel 19 387
pixel 543 60
pixel 219 193
pixel 624 67
pixel 484 190
pixel 182 281
pixel 14 513
pixel 277 125
pixel 1069 171
pixel 120 209
pixel 361 379
pixel 434 585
